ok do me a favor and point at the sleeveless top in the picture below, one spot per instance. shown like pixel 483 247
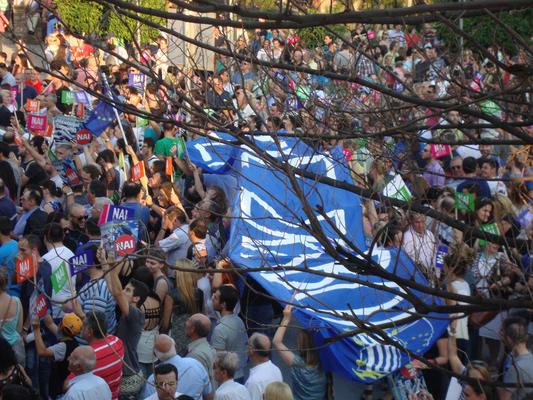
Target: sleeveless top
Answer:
pixel 16 378
pixel 145 346
pixel 60 370
pixel 152 316
pixel 169 286
pixel 9 325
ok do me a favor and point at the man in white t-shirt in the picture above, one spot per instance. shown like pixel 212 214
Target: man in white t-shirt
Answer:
pixel 263 370
pixel 63 285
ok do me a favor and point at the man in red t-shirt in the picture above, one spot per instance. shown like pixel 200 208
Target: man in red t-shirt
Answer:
pixel 109 350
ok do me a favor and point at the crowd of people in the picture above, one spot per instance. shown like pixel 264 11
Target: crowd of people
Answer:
pixel 156 325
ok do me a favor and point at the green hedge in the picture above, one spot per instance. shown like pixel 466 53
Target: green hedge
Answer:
pixel 87 17
pixel 314 36
pixel 487 32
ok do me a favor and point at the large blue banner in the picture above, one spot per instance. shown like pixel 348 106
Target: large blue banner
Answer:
pixel 271 228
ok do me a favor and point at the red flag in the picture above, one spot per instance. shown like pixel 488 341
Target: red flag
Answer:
pixel 80 110
pixel 41 305
pixel 103 214
pixel 440 150
pixel 138 172
pixel 37 122
pixel 168 167
pixel 25 269
pixel 33 106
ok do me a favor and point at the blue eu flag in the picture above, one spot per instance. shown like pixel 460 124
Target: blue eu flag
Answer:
pixel 100 118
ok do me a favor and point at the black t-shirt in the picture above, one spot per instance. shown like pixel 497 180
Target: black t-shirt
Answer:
pixel 5 116
pixel 35 173
pixel 8 176
pixel 74 239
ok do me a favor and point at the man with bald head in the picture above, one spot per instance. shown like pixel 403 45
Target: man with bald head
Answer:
pixel 85 385
pixel 262 371
pixel 76 236
pixel 193 379
pixel 197 329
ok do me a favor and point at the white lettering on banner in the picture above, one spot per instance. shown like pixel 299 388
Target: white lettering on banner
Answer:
pixel 119 214
pixel 24 268
pixel 125 245
pixel 440 148
pixel 79 260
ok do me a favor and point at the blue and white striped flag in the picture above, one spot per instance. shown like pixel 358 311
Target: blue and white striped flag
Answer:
pixel 268 229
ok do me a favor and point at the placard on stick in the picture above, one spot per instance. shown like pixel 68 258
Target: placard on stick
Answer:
pixel 138 172
pixel 33 105
pixel 37 123
pixel 59 277
pixel 440 150
pixel 81 262
pixel 41 305
pixel 25 269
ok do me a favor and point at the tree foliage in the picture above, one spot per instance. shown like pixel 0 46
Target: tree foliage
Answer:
pixel 84 16
pixel 314 36
pixel 88 17
pixel 486 32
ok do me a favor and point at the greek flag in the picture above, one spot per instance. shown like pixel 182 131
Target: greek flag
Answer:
pixel 271 228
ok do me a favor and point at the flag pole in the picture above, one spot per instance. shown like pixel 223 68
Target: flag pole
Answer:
pixel 110 96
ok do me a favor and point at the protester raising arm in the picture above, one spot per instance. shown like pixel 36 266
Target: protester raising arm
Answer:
pixel 453 357
pixel 112 280
pixel 182 164
pixel 198 184
pixel 286 355
pixel 91 150
pixel 40 346
pixel 39 158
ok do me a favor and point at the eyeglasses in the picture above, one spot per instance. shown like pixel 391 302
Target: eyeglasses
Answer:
pixel 81 217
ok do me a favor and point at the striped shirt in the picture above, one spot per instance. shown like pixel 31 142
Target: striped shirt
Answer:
pixel 95 296
pixel 109 354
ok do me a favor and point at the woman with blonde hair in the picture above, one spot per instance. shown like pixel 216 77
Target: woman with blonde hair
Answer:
pixel 506 218
pixel 188 300
pixel 277 391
